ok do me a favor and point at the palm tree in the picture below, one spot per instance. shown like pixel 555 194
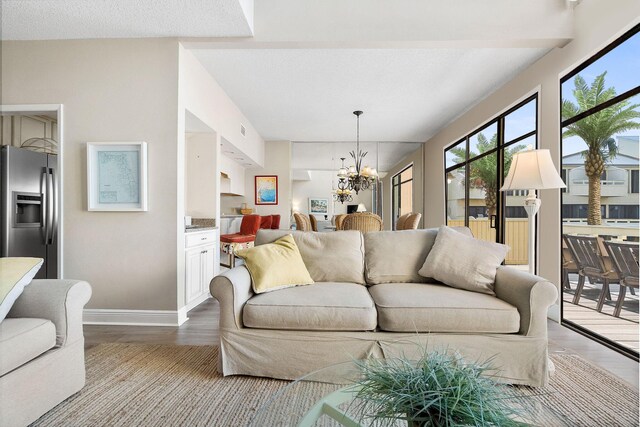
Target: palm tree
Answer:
pixel 484 171
pixel 596 130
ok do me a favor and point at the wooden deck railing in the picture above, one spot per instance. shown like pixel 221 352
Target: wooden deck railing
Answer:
pixel 516 236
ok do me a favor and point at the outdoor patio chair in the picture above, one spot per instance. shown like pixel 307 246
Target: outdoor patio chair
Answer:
pixel 569 265
pixel 586 253
pixel 624 257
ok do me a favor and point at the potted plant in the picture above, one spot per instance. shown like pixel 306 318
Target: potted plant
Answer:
pixel 440 389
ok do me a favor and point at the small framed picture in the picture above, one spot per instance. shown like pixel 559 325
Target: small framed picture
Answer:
pixel 266 189
pixel 117 176
pixel 318 206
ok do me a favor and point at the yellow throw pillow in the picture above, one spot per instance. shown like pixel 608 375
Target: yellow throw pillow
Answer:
pixel 276 265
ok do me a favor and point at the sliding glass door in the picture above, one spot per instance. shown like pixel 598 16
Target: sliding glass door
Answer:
pixel 475 168
pixel 600 206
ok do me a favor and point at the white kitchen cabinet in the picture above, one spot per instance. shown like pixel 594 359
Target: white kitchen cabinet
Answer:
pixel 202 261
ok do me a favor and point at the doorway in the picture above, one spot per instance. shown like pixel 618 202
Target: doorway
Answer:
pixel 39 128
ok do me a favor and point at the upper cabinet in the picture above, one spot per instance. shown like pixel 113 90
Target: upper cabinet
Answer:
pixel 231 177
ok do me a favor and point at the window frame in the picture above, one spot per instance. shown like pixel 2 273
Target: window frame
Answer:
pixel 499 149
pixel 394 217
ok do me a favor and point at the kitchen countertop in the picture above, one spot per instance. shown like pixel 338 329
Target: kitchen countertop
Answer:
pixel 197 229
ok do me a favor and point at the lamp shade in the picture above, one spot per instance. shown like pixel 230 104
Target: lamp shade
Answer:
pixel 532 170
pixel 361 208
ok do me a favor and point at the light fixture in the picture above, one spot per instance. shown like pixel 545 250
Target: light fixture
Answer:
pixel 532 170
pixel 342 193
pixel 358 177
pixel 361 208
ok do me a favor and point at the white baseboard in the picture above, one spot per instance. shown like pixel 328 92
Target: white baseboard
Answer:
pixel 132 317
pixel 99 316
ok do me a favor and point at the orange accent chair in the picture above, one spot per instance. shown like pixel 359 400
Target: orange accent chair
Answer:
pixel 275 222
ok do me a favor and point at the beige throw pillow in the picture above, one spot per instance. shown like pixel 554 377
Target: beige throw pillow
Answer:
pixel 464 262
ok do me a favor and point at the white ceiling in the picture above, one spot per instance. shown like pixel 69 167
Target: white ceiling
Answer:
pixel 85 19
pixel 326 156
pixel 406 94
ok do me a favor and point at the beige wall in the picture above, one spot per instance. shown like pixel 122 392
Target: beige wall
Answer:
pixel 597 23
pixel 112 90
pixel 415 158
pixel 277 161
pixel 201 178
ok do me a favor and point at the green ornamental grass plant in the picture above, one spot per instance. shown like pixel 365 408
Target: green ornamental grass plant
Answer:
pixel 438 390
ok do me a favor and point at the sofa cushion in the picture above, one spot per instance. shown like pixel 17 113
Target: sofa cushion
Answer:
pixel 419 307
pixel 325 306
pixel 464 262
pixel 396 256
pixel 329 257
pixel 24 339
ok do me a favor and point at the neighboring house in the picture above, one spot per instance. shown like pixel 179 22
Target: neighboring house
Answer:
pixel 620 184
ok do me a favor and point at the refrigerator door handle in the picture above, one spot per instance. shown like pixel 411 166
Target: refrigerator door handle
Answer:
pixel 44 207
pixel 53 204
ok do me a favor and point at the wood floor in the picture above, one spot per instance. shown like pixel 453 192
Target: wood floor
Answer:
pixel 202 329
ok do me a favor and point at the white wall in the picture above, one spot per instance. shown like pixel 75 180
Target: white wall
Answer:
pixel 112 90
pixel 597 24
pixel 320 186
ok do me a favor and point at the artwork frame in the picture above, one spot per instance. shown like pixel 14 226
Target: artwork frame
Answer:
pixel 117 176
pixel 318 206
pixel 266 189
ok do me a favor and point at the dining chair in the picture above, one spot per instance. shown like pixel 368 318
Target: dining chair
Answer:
pixel 303 223
pixel 275 222
pixel 401 220
pixel 624 257
pixel 231 243
pixel 265 222
pixel 314 222
pixel 339 221
pixel 586 252
pixel 412 221
pixel 363 222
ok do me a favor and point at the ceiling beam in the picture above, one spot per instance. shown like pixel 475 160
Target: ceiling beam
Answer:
pixel 295 24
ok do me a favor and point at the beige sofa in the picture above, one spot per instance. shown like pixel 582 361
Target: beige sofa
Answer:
pixel 41 350
pixel 368 300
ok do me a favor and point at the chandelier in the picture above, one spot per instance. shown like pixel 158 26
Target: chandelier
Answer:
pixel 356 178
pixel 342 193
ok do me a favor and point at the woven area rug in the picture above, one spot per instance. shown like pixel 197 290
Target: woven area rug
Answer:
pixel 170 385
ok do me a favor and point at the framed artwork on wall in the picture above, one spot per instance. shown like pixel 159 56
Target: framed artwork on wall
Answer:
pixel 117 176
pixel 266 189
pixel 318 206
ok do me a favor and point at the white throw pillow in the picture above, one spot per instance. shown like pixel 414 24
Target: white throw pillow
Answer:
pixel 15 274
pixel 464 262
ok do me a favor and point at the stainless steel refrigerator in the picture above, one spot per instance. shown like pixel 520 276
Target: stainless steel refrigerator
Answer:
pixel 29 210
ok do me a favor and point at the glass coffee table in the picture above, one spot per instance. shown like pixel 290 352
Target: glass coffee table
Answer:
pixel 327 397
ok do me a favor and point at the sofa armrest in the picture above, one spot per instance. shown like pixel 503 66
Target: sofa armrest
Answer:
pixel 232 289
pixel 531 295
pixel 60 301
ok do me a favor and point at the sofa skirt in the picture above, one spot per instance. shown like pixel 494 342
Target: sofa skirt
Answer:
pixel 515 359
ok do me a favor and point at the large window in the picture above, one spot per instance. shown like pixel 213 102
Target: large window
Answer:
pixel 475 168
pixel 402 193
pixel 600 118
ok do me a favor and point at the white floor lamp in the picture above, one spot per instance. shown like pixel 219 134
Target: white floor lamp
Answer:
pixel 532 170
